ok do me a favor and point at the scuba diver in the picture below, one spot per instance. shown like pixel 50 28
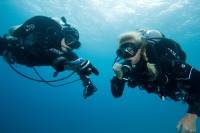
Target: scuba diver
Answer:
pixel 45 41
pixel 156 64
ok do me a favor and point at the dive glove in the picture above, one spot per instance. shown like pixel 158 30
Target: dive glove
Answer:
pixel 87 68
pixel 89 88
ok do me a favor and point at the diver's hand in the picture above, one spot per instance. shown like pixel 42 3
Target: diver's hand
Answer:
pixel 89 88
pixel 117 69
pixel 187 124
pixel 87 68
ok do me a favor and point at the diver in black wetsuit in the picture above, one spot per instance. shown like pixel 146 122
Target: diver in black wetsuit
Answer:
pixel 157 64
pixel 44 41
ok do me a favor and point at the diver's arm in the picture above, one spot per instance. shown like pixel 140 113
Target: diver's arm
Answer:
pixel 194 108
pixel 61 64
pixel 117 86
pixel 80 64
pixel 61 61
pixel 188 122
pixel 186 72
pixel 183 71
pixel 73 65
pixel 117 82
pixel 194 104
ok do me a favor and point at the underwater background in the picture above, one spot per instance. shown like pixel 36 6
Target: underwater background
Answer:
pixel 33 107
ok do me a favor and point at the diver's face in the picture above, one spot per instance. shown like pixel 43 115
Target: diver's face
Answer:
pixel 130 52
pixel 64 46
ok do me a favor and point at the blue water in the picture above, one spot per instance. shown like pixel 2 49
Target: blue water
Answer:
pixel 31 107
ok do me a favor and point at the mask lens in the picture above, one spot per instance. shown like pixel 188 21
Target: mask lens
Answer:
pixel 72 42
pixel 127 50
pixel 124 53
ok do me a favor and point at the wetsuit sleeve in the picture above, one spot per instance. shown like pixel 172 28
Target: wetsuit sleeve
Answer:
pixel 73 65
pixel 194 101
pixel 117 87
pixel 184 72
pixel 67 61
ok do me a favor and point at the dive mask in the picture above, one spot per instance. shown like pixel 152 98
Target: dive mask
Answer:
pixel 72 42
pixel 127 50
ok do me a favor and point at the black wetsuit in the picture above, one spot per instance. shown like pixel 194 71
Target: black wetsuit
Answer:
pixel 39 44
pixel 176 80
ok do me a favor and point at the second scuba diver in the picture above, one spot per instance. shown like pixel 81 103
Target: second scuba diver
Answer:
pixel 45 41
